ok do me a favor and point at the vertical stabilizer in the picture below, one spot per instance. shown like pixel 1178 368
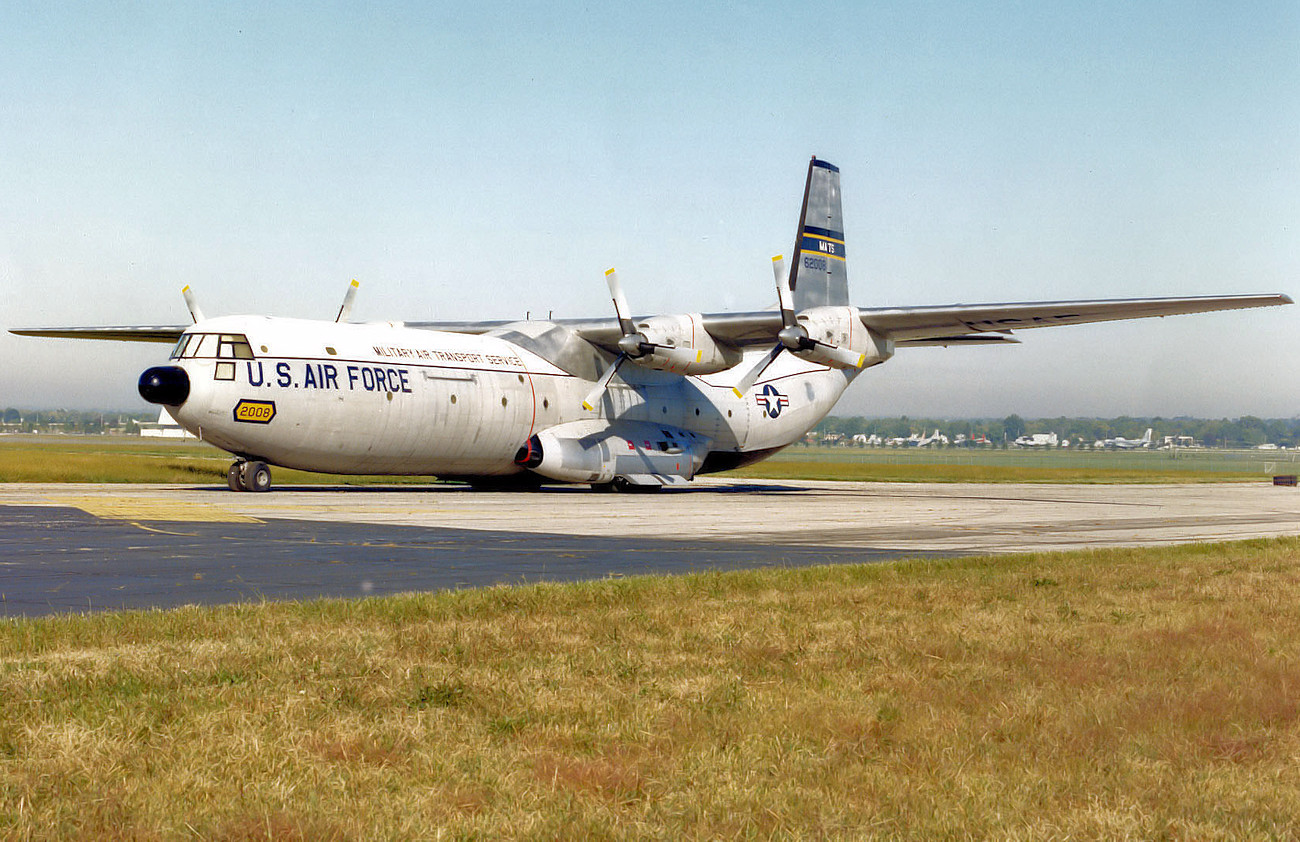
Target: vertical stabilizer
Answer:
pixel 817 274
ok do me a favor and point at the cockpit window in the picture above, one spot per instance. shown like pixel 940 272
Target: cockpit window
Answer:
pixel 234 346
pixel 226 346
pixel 179 350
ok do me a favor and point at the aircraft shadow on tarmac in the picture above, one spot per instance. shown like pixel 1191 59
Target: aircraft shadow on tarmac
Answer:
pixel 451 488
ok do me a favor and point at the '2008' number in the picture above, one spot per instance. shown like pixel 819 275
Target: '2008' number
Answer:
pixel 817 263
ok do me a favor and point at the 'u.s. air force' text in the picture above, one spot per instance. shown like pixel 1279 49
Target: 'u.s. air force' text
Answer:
pixel 356 378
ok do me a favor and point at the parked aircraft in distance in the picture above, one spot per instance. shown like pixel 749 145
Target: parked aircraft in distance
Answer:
pixel 617 402
pixel 1122 443
pixel 936 437
pixel 1040 440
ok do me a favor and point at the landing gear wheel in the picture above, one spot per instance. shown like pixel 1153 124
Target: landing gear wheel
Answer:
pixel 235 476
pixel 256 476
pixel 621 485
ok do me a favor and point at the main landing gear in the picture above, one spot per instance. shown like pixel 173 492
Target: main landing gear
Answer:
pixel 249 476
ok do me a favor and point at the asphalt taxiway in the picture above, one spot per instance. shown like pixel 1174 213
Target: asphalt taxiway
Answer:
pixel 75 547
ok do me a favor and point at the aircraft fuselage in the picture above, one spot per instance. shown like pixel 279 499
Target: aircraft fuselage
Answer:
pixel 384 399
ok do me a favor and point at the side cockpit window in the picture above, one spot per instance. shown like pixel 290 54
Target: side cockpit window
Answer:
pixel 179 350
pixel 222 346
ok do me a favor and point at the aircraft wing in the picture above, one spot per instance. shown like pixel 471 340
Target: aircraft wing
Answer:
pixel 127 333
pixel 959 324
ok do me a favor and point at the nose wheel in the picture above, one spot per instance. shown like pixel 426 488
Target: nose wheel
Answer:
pixel 249 476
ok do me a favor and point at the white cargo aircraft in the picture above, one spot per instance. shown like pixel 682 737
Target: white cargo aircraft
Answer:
pixel 1127 444
pixel 1037 440
pixel 617 403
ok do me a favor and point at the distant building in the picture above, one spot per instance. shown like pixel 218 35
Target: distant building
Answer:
pixel 164 428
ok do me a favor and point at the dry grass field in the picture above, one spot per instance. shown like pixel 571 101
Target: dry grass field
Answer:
pixel 1093 695
pixel 121 459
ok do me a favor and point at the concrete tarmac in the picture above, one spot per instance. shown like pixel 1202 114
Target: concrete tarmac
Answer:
pixel 76 547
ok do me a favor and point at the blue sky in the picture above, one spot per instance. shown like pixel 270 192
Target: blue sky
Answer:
pixel 482 161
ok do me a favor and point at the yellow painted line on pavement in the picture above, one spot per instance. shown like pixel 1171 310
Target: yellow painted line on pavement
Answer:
pixel 143 508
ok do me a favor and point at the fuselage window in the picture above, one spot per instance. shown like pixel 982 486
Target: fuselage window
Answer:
pixel 179 350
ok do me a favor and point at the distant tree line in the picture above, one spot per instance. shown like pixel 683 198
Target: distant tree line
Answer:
pixel 1246 431
pixel 79 421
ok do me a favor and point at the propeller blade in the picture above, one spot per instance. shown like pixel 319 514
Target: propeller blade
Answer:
pixel 191 302
pixel 847 358
pixel 783 296
pixel 756 372
pixel 345 312
pixel 679 356
pixel 620 303
pixel 778 268
pixel 593 397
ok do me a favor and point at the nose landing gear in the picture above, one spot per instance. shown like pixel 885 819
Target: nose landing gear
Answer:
pixel 249 476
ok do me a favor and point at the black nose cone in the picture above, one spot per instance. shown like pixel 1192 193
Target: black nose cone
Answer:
pixel 165 384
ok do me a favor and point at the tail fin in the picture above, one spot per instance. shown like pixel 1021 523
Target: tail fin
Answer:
pixel 817 274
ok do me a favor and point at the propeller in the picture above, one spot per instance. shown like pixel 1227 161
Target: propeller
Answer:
pixel 191 302
pixel 793 336
pixel 632 345
pixel 345 312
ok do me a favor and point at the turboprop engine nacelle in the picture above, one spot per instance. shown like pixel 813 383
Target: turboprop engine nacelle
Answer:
pixel 597 452
pixel 840 327
pixel 679 344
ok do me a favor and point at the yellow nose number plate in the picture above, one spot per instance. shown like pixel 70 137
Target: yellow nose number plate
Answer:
pixel 255 412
